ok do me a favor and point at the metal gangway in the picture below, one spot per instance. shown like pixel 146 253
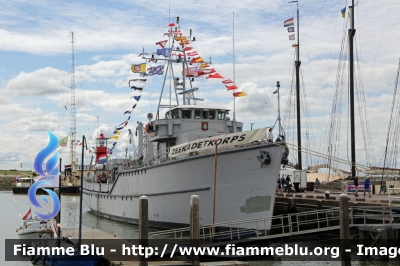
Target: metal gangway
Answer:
pixel 286 225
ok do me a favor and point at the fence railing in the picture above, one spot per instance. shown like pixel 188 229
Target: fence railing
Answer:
pixel 285 225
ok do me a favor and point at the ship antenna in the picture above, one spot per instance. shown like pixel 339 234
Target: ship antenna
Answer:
pixel 73 107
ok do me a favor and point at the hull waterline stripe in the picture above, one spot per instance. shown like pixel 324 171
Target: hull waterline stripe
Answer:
pixel 150 194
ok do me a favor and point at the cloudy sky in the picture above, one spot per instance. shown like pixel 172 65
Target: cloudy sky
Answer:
pixel 35 66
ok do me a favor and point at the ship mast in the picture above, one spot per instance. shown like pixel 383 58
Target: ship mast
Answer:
pixel 73 108
pixel 234 98
pixel 352 32
pixel 298 63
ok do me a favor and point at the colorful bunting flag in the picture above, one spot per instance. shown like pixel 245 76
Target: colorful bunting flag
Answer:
pixel 136 98
pixel 290 29
pixel 276 91
pixel 138 80
pixel 180 38
pixel 166 52
pixel 184 42
pixel 215 76
pixel 192 53
pixel 158 70
pixel 291 37
pixel 114 137
pixel 289 22
pixel 127 112
pixel 63 142
pixel 232 87
pixel 197 60
pixel 162 43
pixel 187 48
pixel 133 107
pixel 192 72
pixel 141 68
pixel 137 88
pixel 227 81
pixel 239 94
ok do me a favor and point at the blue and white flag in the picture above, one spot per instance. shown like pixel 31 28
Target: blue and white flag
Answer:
pixel 158 70
pixel 166 52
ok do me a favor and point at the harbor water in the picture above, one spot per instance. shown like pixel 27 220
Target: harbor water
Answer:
pixel 14 207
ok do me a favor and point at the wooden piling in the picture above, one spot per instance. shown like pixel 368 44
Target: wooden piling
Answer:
pixel 345 257
pixel 194 227
pixel 143 226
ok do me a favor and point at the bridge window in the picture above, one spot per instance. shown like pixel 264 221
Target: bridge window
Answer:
pixel 175 113
pixel 221 115
pixel 211 116
pixel 205 115
pixel 197 114
pixel 186 114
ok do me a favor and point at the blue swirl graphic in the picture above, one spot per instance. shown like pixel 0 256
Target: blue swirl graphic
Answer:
pixel 50 165
pixel 41 156
pixel 32 198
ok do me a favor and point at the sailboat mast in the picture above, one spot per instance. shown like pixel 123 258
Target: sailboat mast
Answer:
pixel 298 63
pixel 234 98
pixel 73 108
pixel 352 32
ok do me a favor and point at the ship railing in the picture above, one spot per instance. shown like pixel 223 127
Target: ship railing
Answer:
pixel 266 227
pixel 385 214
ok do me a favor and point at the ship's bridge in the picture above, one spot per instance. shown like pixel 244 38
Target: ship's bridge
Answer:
pixel 190 122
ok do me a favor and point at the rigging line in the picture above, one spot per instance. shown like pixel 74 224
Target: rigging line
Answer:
pixel 379 44
pixel 316 15
pixel 329 67
pixel 323 155
pixel 363 113
pixel 336 104
pixel 390 120
pixel 339 76
pixel 308 118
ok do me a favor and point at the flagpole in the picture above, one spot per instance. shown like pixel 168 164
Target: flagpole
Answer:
pixel 278 85
pixel 234 98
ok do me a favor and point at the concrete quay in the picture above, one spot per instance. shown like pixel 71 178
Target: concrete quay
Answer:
pixel 320 200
